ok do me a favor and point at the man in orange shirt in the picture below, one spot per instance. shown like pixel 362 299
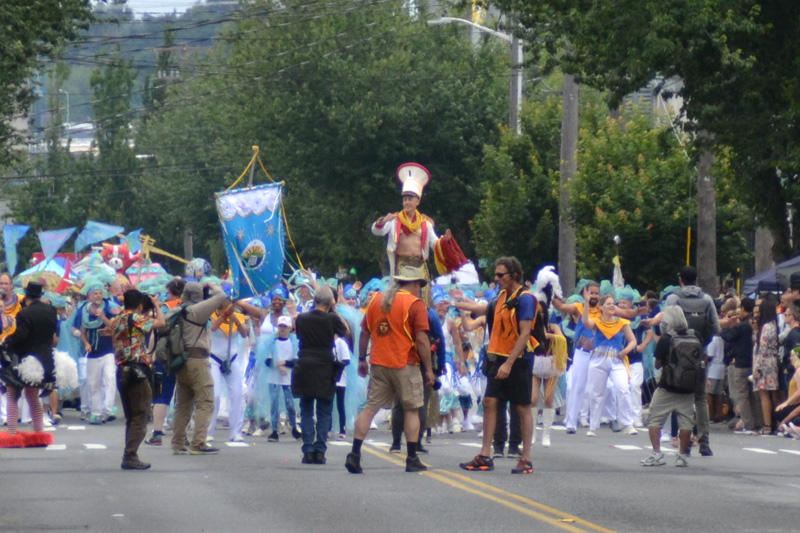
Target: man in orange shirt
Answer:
pixel 397 324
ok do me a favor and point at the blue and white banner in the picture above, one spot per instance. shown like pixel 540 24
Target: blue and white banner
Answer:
pixel 252 229
pixel 96 232
pixel 53 240
pixel 11 236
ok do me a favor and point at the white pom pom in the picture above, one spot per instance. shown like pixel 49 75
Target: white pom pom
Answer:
pixel 30 370
pixel 547 276
pixel 66 370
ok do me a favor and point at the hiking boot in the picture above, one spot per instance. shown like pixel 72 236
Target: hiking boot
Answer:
pixel 479 463
pixel 155 439
pixel 273 437
pixel 205 450
pixel 705 450
pixel 680 460
pixel 498 452
pixel 134 464
pixel 353 463
pixel 296 435
pixel 654 459
pixel 414 464
pixel 308 458
pixel 394 448
pixel 523 467
pixel 513 451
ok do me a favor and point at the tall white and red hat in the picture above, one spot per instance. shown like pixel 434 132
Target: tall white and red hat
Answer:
pixel 414 178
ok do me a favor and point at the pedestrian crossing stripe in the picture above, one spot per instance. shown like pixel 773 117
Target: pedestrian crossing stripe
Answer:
pixel 76 428
pixel 627 447
pixel 338 443
pixel 471 444
pixel 96 446
pixel 794 452
pixel 56 447
pixel 761 450
pixel 238 444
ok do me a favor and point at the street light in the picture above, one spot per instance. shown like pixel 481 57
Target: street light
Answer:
pixel 515 102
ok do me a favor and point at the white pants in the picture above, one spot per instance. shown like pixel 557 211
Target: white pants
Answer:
pixel 600 369
pixel 578 374
pixel 637 380
pixel 83 385
pixel 609 405
pixel 102 382
pixel 234 383
pixel 2 408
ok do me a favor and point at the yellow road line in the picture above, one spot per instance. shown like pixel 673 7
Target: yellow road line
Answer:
pixel 565 521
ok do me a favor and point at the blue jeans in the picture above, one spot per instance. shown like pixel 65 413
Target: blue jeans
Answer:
pixel 315 436
pixel 274 396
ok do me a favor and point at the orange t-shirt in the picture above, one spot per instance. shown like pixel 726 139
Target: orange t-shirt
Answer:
pixel 393 334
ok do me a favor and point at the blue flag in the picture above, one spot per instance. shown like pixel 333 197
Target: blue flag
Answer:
pixel 53 240
pixel 252 229
pixel 132 239
pixel 96 232
pixel 11 236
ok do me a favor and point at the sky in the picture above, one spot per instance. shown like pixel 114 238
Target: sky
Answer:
pixel 160 6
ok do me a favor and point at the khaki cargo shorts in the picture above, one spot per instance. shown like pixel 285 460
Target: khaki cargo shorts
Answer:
pixel 386 384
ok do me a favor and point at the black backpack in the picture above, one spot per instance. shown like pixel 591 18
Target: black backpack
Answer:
pixel 695 309
pixel 685 367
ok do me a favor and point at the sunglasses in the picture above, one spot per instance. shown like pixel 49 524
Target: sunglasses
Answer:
pixel 499 275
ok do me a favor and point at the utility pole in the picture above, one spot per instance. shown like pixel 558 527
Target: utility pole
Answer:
pixel 706 224
pixel 568 168
pixel 516 85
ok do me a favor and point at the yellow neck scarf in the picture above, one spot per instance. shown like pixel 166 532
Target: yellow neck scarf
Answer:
pixel 412 226
pixel 609 329
pixel 226 325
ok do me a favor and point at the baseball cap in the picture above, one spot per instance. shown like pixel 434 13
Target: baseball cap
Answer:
pixel 285 321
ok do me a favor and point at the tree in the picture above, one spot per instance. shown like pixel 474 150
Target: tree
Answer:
pixel 32 30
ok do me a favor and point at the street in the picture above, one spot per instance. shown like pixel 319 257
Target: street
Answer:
pixel 579 484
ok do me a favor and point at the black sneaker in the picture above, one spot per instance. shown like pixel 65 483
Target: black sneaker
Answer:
pixel 421 450
pixel 308 458
pixel 615 426
pixel 134 464
pixel 205 450
pixel 295 435
pixel 498 452
pixel 155 439
pixel 273 437
pixel 353 463
pixel 478 464
pixel 414 464
pixel 394 448
pixel 514 451
pixel 319 458
pixel 705 450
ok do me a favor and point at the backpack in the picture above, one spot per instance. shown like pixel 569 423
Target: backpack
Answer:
pixel 695 309
pixel 685 367
pixel 170 348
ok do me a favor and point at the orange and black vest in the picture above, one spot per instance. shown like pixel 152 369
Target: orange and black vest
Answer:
pixel 504 323
pixel 393 344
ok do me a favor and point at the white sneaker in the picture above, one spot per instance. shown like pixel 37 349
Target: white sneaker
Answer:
pixel 630 430
pixel 258 433
pixel 210 438
pixel 545 439
pixel 638 424
pixel 583 423
pixel 237 438
pixel 373 425
pixel 468 426
pixel 591 433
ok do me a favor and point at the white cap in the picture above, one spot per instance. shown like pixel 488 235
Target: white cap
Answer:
pixel 284 320
pixel 414 178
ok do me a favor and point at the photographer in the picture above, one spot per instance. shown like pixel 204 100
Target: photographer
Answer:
pixel 128 332
pixel 195 387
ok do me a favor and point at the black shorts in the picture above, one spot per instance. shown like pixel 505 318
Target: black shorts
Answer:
pixel 517 388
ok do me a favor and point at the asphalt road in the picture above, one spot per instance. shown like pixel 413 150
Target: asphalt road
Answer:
pixel 579 484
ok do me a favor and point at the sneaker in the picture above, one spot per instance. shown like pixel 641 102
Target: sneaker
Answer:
pixel 353 463
pixel 571 431
pixel 95 420
pixel 428 439
pixel 414 464
pixel 513 451
pixel 654 459
pixel 296 435
pixel 745 431
pixel 523 467
pixel 615 426
pixel 180 451
pixel 134 464
pixel 421 450
pixel 110 418
pixel 394 448
pixel 468 425
pixel 57 418
pixel 308 458
pixel 342 436
pixel 258 433
pixel 237 438
pixel 680 460
pixel 545 439
pixel 630 430
pixel 155 439
pixel 705 450
pixel 205 450
pixel 591 433
pixel 319 458
pixel 210 438
pixel 583 423
pixel 273 437
pixel 498 452
pixel 84 416
pixel 479 463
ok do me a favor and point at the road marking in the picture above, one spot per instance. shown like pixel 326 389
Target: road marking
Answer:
pixel 50 428
pixel 117 515
pixel 460 482
pixel 238 444
pixel 56 447
pixel 379 444
pixel 76 428
pixel 338 443
pixel 795 452
pixel 95 446
pixel 471 444
pixel 761 450
pixel 627 447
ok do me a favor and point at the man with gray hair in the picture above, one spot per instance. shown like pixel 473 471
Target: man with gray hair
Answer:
pixel 195 386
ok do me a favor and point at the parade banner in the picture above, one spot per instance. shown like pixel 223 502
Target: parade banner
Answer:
pixel 96 232
pixel 53 240
pixel 252 229
pixel 132 239
pixel 11 236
